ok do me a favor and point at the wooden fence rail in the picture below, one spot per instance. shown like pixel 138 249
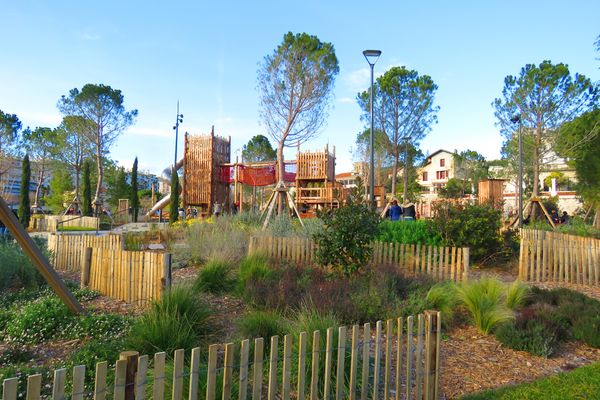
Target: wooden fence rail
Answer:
pixel 439 262
pixel 557 257
pixel 68 249
pixel 399 360
pixel 50 223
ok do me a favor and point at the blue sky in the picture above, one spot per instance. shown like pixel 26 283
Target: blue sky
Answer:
pixel 207 55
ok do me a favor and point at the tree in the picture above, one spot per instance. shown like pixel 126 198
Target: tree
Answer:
pixel 174 205
pixel 382 153
pixel 39 143
pixel 61 187
pixel 103 106
pixel 24 211
pixel 117 186
pixel 456 188
pixel 579 142
pixel 403 108
pixel 86 206
pixel 295 84
pixel 9 130
pixel 258 149
pixel 545 96
pixel 472 167
pixel 135 200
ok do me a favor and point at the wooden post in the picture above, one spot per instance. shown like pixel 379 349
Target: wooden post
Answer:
pixel 87 265
pixel 466 264
pixel 431 354
pixel 132 363
pixel 40 262
pixel 166 279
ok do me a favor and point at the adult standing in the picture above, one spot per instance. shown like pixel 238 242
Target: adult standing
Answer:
pixel 395 211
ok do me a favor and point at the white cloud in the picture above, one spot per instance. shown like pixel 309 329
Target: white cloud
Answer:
pixel 346 100
pixel 359 79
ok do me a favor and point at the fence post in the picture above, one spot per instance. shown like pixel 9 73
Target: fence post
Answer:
pixel 466 263
pixel 431 354
pixel 87 265
pixel 166 279
pixel 132 363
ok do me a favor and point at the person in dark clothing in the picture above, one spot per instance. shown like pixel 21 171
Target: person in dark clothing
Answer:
pixel 395 211
pixel 564 218
pixel 410 212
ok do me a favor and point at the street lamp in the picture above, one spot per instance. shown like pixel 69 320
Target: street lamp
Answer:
pixel 514 120
pixel 178 120
pixel 372 56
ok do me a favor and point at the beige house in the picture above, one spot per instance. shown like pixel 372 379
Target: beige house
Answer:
pixel 436 171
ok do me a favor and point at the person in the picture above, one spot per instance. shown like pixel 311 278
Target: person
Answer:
pixel 234 208
pixel 410 211
pixel 217 210
pixel 395 211
pixel 554 216
pixel 564 218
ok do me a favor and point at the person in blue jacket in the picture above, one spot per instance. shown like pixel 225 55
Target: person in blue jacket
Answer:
pixel 395 211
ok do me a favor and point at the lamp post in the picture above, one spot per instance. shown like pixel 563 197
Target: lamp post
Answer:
pixel 372 56
pixel 514 120
pixel 178 120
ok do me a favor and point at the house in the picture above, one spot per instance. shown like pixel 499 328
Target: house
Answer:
pixel 437 169
pixel 10 179
pixel 348 179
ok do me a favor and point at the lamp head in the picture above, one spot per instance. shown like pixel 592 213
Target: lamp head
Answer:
pixel 372 56
pixel 515 119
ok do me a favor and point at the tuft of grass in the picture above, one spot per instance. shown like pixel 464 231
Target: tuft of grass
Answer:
pixel 516 294
pixel 215 277
pixel 484 301
pixel 443 297
pixel 262 324
pixel 253 267
pixel 180 320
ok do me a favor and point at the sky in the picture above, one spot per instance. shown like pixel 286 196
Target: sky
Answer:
pixel 206 56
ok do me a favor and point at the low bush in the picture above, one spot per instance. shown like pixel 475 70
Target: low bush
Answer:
pixel 442 297
pixel 413 232
pixel 261 324
pixel 215 277
pixel 484 299
pixel 516 293
pixel 96 351
pixel 17 270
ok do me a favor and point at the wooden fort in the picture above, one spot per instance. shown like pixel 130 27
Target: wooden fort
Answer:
pixel 315 179
pixel 203 156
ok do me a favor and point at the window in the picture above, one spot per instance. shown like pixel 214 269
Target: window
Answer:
pixel 442 162
pixel 441 175
pixel 424 177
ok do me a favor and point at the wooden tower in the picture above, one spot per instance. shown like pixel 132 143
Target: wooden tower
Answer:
pixel 203 156
pixel 315 179
pixel 491 191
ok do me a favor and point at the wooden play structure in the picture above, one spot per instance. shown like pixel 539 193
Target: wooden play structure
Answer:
pixel 491 191
pixel 315 180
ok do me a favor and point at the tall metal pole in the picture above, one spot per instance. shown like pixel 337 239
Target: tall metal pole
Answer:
pixel 520 178
pixel 372 144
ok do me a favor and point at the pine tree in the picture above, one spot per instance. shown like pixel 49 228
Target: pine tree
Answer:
pixel 174 210
pixel 135 200
pixel 86 207
pixel 24 212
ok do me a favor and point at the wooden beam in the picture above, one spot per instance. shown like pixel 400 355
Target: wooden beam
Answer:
pixel 40 262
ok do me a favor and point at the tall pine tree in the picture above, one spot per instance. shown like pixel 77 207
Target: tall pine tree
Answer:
pixel 135 199
pixel 86 207
pixel 24 212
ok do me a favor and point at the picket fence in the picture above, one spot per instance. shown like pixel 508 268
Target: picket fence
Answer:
pixel 557 257
pixel 51 223
pixel 132 276
pixel 439 262
pixel 400 361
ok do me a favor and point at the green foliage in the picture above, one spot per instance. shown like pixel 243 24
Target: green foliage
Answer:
pixel 254 267
pixel 118 188
pixel 179 320
pixel 61 188
pixel 261 324
pixel 96 351
pixel 134 196
pixel 443 297
pixel 16 269
pixel 174 204
pixel 471 166
pixel 86 205
pixel 9 129
pixel 415 232
pixel 215 277
pixel 516 293
pixel 24 211
pixel 345 243
pixel 484 301
pixel 455 189
pixel 474 226
pixel 575 227
pixel 258 149
pixel 280 225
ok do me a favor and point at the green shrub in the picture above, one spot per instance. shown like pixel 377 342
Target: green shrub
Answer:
pixel 177 321
pixel 345 242
pixel 484 301
pixel 587 328
pixel 215 277
pixel 473 226
pixel 95 351
pixel 516 293
pixel 443 297
pixel 17 269
pixel 415 232
pixel 261 324
pixel 21 372
pixel 253 268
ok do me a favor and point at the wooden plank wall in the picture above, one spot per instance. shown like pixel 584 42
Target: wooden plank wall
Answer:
pixel 439 262
pixel 135 277
pixel 48 223
pixel 315 165
pixel 556 257
pixel 68 250
pixel 393 359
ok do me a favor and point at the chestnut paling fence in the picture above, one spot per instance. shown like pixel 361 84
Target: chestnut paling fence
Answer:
pixel 557 257
pixel 439 262
pixel 398 359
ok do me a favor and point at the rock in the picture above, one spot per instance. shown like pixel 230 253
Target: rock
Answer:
pixel 528 364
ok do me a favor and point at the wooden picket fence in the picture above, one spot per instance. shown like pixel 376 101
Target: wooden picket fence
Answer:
pixel 400 360
pixel 556 257
pixel 132 276
pixel 51 223
pixel 439 262
pixel 68 249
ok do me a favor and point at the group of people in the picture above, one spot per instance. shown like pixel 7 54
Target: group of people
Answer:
pixel 405 213
pixel 563 219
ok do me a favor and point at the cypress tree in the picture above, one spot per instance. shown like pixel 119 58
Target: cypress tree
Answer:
pixel 24 211
pixel 86 207
pixel 174 210
pixel 135 200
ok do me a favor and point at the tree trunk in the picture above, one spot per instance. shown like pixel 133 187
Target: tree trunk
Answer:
pixel 38 188
pixel 597 218
pixel 536 176
pixel 395 169
pixel 280 178
pixel 77 179
pixel 405 192
pixel 97 201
